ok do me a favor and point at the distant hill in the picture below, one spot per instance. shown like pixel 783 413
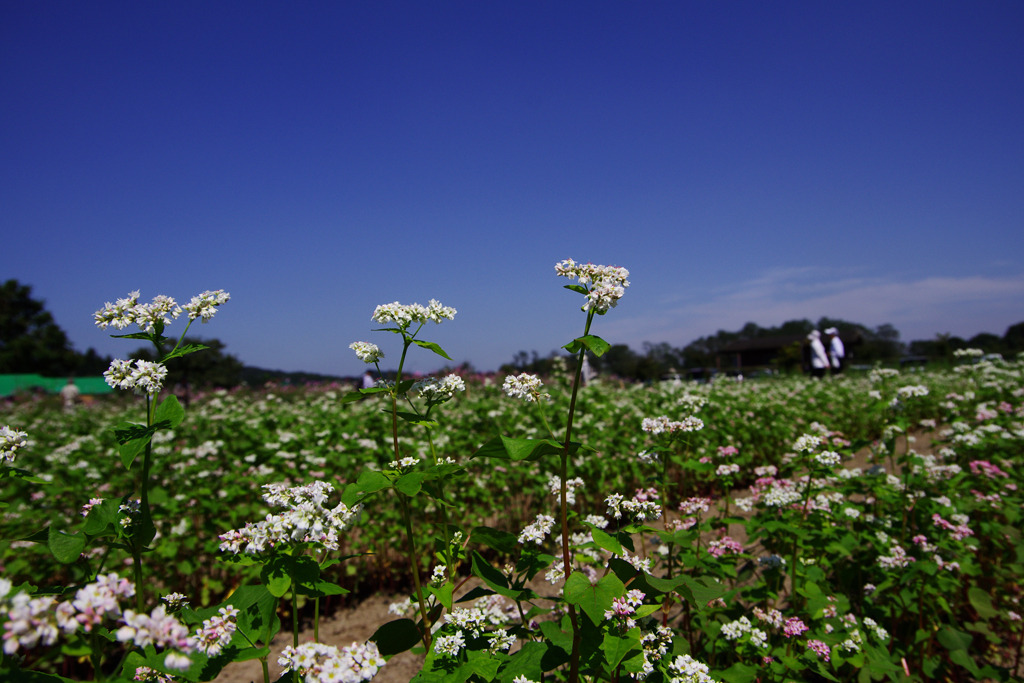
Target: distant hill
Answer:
pixel 256 377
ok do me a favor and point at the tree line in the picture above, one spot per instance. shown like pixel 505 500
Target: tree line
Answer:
pixel 865 346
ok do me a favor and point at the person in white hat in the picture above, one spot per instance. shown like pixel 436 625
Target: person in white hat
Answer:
pixel 819 359
pixel 836 350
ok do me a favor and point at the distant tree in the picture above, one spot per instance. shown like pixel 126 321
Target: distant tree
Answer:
pixel 619 360
pixel 987 342
pixel 1013 340
pixel 32 342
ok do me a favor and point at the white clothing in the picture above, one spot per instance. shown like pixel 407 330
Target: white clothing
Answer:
pixel 819 359
pixel 836 351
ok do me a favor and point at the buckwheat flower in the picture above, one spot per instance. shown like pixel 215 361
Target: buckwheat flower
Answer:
pixel 148 377
pixel 501 641
pixel 439 576
pixel 160 311
pixel 607 284
pixel 30 622
pixel 912 391
pixel 11 441
pixel 403 464
pixel 535 533
pixel 117 315
pixel 93 502
pixel 405 315
pixel 828 458
pixel 686 669
pixel 216 632
pixel 727 470
pixel 157 628
pixel 794 626
pixel 807 443
pixel 772 616
pixel 450 646
pixel 367 352
pixel 819 648
pixel 148 675
pixel 119 374
pixel 723 546
pixel 522 679
pixel 437 391
pixel 318 662
pixel 555 487
pixel 205 305
pixel 175 601
pixel 524 386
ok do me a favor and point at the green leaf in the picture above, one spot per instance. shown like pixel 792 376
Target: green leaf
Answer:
pixel 431 346
pixel 320 588
pixel 443 593
pixel 594 600
pixel 953 639
pixel 616 647
pixel 982 602
pixel 132 439
pixel 502 541
pixel 605 540
pixel 371 481
pixel 415 419
pixel 508 448
pixel 170 412
pixel 555 635
pixel 594 344
pixel 396 636
pixel 184 351
pixel 410 483
pixel 66 548
pixel 492 577
pixel 102 517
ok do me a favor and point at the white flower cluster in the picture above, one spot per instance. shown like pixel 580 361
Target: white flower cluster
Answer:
pixel 607 284
pixel 897 558
pixel 638 509
pixel 216 632
pixel 205 305
pixel 663 425
pixel 968 353
pixel 807 443
pixel 524 386
pixel 535 533
pixel 912 391
pixel 735 630
pixel 405 315
pixel 322 663
pixel 161 630
pixel 141 376
pixel 11 441
pixel 828 458
pixel 881 374
pixel 367 352
pixel 305 520
pixel 405 463
pixel 686 669
pixel 31 622
pixel 555 487
pixel 437 391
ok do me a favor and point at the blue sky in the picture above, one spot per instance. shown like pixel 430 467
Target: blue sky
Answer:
pixel 746 161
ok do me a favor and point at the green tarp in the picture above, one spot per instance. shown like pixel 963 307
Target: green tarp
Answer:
pixel 12 384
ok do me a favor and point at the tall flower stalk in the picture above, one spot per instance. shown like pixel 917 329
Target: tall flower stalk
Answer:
pixel 603 286
pixel 146 378
pixel 407 320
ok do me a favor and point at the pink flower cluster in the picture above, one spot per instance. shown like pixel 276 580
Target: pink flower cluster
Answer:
pixel 959 531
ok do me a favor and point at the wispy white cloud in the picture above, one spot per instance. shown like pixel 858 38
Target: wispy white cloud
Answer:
pixel 919 309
